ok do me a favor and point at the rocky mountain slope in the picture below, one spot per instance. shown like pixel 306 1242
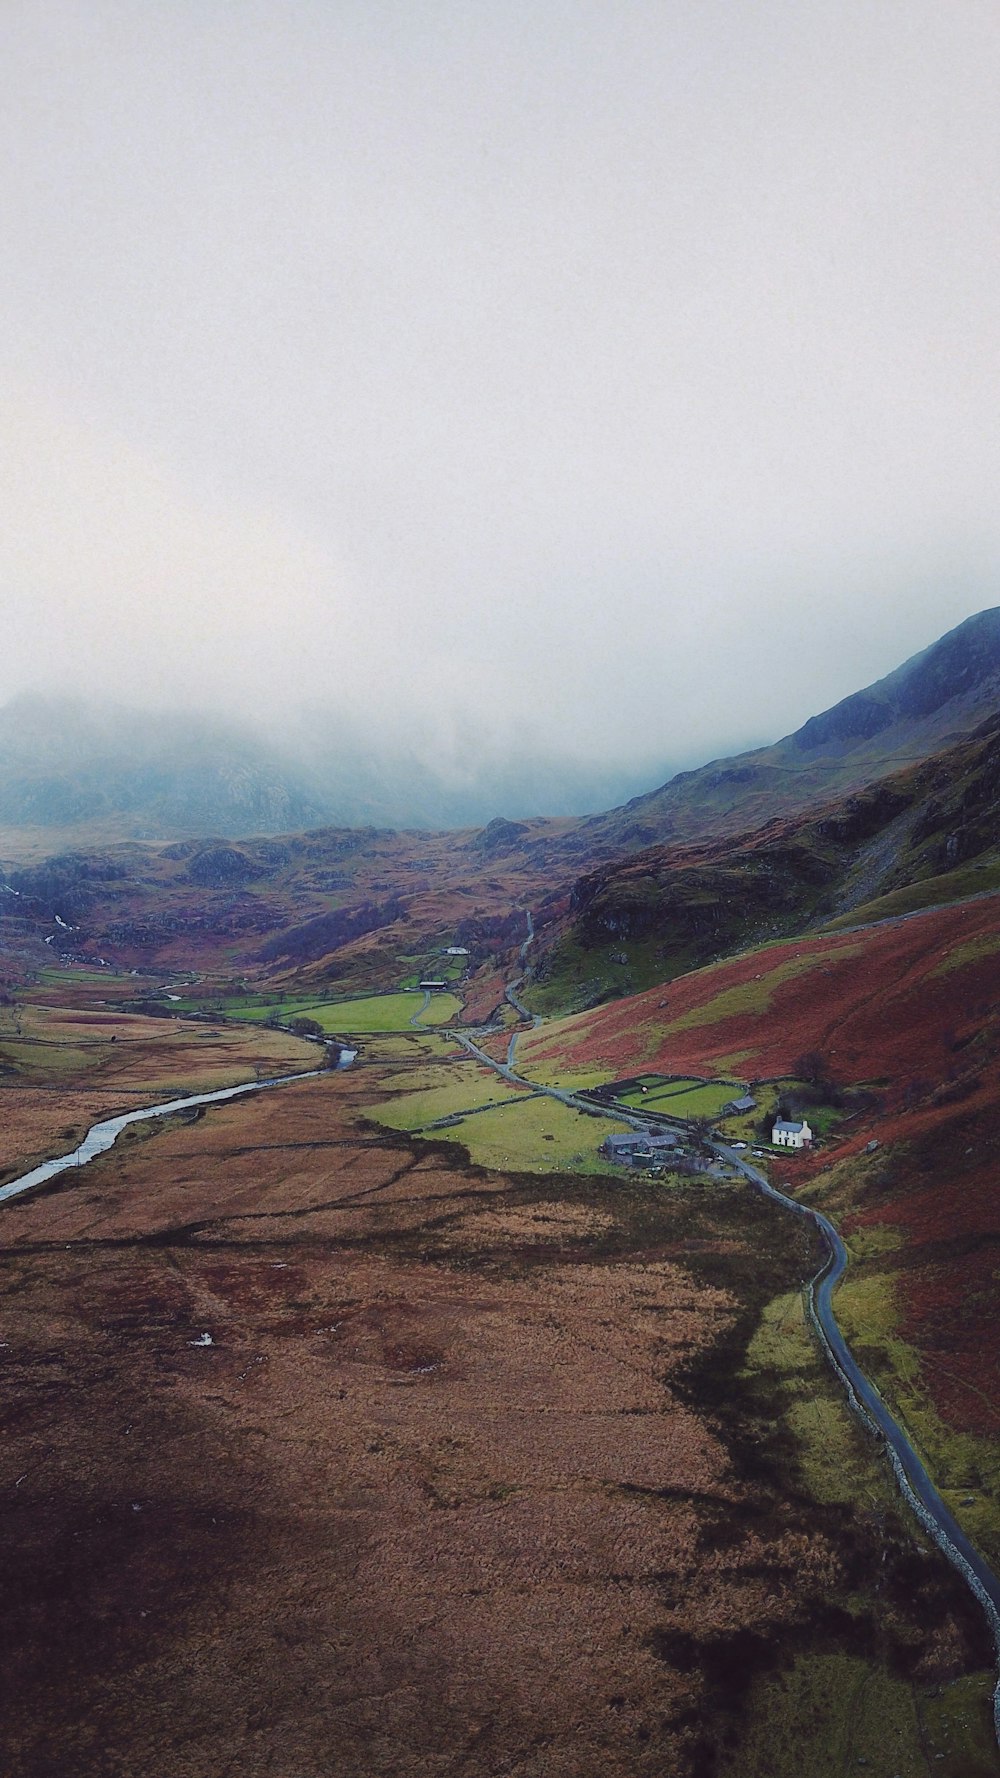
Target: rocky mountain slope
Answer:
pixel 933 699
pixel 611 915
pixel 928 833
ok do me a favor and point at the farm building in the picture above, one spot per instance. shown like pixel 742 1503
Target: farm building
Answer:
pixel 746 1103
pixel 791 1135
pixel 638 1148
pixel 434 987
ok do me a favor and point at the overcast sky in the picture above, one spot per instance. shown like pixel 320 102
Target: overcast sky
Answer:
pixel 623 373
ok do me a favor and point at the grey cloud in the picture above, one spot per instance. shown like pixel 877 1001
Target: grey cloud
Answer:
pixel 626 373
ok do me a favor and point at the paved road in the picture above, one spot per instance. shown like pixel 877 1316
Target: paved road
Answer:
pixel 511 996
pixel 913 1478
pixel 418 1015
pixel 914 1481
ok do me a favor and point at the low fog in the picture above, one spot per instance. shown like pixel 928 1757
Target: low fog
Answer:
pixel 613 387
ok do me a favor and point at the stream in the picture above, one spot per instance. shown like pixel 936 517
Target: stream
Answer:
pixel 102 1136
pixel 914 1481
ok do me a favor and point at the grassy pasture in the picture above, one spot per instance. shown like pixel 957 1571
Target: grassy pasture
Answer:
pixel 444 1092
pixel 691 1098
pixel 537 1136
pixel 527 1134
pixel 387 1012
pixel 370 1012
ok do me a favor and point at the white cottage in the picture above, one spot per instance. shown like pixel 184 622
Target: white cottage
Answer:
pixel 791 1135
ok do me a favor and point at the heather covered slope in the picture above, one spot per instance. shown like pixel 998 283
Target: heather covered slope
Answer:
pixel 349 903
pixel 336 903
pixel 324 1445
pixel 908 1012
pixel 898 999
pixel 929 833
pixel 928 703
pixel 78 775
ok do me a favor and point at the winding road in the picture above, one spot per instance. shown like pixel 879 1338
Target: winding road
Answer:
pixel 914 1482
pixel 913 1479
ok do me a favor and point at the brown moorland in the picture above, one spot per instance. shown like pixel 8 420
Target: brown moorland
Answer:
pixel 910 1008
pixel 325 1450
pixel 882 1003
pixel 63 1069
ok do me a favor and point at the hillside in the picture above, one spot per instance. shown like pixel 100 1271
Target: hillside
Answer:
pixel 322 906
pixel 343 904
pixel 395 1271
pixel 933 699
pixel 898 1025
pixel 929 832
pixel 78 774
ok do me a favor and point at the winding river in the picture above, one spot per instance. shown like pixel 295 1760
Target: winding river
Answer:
pixel 914 1481
pixel 100 1137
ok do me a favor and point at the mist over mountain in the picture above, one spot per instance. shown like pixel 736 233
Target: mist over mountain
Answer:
pixel 930 701
pixel 89 769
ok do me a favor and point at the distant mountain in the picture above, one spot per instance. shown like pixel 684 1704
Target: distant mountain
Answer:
pixel 935 698
pixel 69 765
pixel 92 774
pixel 74 773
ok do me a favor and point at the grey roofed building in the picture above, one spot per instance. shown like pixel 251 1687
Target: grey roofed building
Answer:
pixel 746 1103
pixel 638 1143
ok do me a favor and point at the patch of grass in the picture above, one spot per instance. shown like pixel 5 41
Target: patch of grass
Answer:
pixel 371 1012
pixel 951 886
pixel 838 1462
pixel 703 1099
pixel 550 1074
pixel 958 1727
pixel 753 996
pixel 406 1046
pixel 530 1135
pixel 964 1468
pixel 842 1713
pixel 462 1087
pixel 855 1712
pixel 578 977
pixel 986 945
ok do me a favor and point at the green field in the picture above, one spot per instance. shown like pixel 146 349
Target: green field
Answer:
pixel 528 1135
pixel 371 1012
pixel 677 1098
pixel 387 1012
pixel 446 1092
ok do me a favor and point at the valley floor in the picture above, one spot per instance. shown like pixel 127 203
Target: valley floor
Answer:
pixel 483 1470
